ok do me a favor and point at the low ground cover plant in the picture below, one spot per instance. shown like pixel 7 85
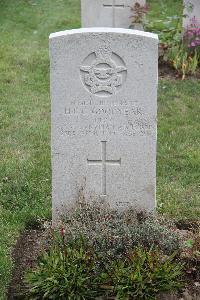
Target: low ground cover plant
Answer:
pixel 104 253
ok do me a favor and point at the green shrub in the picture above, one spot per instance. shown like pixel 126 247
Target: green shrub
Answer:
pixel 180 48
pixel 63 274
pixel 145 274
pixel 185 61
pixel 71 273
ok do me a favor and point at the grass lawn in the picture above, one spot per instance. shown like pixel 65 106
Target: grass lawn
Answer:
pixel 25 170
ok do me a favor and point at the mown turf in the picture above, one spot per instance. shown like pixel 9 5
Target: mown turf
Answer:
pixel 25 170
pixel 178 149
pixel 25 176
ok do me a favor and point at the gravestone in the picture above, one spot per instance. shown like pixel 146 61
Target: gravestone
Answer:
pixel 104 108
pixel 191 10
pixel 107 13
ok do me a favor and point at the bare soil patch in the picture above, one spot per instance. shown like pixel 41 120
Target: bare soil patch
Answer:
pixel 29 246
pixel 167 72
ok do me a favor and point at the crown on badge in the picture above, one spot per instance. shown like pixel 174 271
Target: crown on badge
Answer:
pixel 104 52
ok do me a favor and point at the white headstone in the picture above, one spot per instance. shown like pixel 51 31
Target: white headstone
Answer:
pixel 107 13
pixel 104 108
pixel 191 10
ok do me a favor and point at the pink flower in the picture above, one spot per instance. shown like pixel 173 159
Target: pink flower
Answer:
pixel 62 231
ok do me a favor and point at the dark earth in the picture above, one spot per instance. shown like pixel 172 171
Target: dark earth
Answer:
pixel 167 72
pixel 29 246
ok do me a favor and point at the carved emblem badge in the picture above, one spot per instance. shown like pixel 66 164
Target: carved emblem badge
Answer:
pixel 103 72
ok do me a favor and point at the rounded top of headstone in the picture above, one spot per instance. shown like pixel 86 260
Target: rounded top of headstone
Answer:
pixel 104 30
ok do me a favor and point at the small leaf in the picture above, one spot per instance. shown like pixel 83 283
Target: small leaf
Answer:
pixel 189 243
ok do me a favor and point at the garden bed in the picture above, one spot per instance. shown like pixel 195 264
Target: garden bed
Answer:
pixel 167 72
pixel 33 242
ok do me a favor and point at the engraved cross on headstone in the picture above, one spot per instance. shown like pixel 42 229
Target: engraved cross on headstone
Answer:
pixel 103 163
pixel 114 6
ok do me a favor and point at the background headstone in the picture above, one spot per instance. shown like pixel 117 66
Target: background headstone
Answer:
pixel 191 9
pixel 104 108
pixel 107 13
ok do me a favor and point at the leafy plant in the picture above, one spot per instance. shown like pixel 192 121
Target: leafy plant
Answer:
pixel 72 272
pixel 189 243
pixel 144 274
pixel 63 273
pixel 185 55
pixel 138 12
pixel 179 49
pixel 183 61
pixel 192 247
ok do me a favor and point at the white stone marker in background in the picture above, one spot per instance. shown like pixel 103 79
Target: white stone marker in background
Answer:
pixel 191 9
pixel 104 108
pixel 107 13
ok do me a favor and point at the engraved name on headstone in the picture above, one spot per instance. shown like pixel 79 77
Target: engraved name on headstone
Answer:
pixel 107 13
pixel 104 109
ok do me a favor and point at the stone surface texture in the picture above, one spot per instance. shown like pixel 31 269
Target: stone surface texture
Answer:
pixel 104 110
pixel 191 9
pixel 107 13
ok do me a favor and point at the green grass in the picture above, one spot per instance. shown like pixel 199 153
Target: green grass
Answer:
pixel 178 149
pixel 25 175
pixel 25 172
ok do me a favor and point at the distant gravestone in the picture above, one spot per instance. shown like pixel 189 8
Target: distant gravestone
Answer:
pixel 107 13
pixel 191 10
pixel 104 108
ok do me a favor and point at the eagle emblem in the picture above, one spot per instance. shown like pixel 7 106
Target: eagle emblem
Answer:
pixel 103 75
